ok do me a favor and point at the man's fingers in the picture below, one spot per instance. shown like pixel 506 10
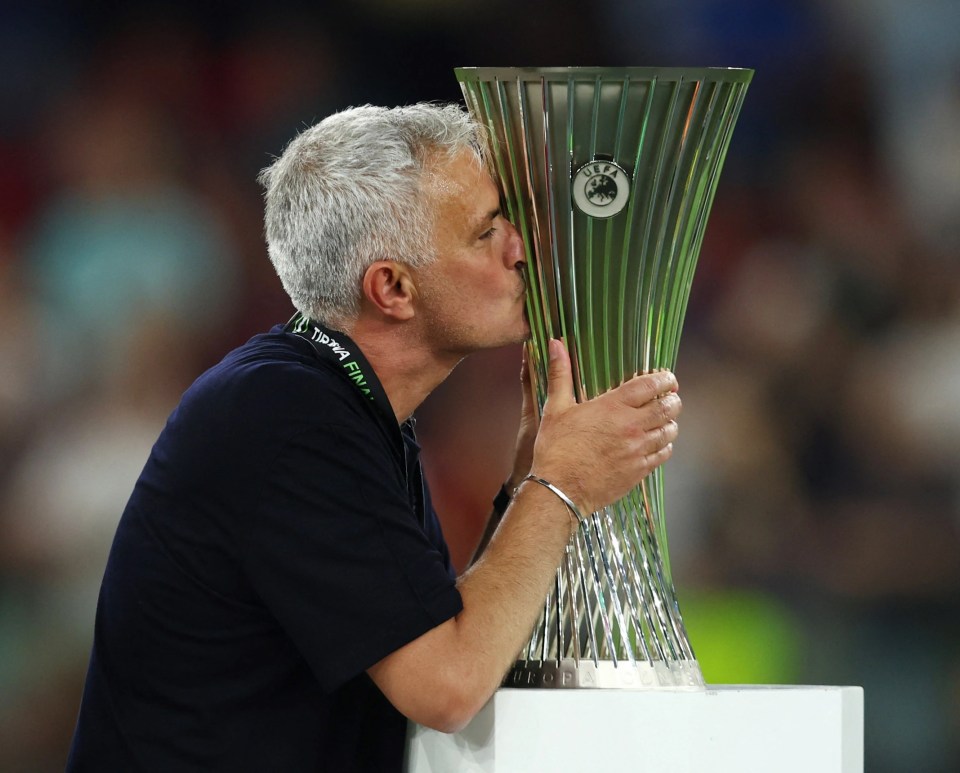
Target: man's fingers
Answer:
pixel 559 378
pixel 660 411
pixel 640 390
pixel 665 435
pixel 524 369
pixel 526 380
pixel 529 405
pixel 657 458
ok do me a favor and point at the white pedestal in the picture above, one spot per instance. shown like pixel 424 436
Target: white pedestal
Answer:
pixel 741 729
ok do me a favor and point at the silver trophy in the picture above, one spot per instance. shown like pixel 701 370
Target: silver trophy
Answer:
pixel 609 174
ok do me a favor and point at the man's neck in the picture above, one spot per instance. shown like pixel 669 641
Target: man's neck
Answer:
pixel 407 367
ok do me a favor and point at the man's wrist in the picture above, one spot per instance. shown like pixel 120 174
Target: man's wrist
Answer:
pixel 576 515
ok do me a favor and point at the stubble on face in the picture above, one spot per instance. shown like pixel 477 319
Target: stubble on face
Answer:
pixel 468 298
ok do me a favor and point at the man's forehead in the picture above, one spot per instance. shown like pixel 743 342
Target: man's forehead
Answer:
pixel 462 174
pixel 463 166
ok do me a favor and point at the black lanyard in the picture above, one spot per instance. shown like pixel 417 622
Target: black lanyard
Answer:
pixel 337 348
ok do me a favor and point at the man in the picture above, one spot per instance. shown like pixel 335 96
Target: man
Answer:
pixel 279 595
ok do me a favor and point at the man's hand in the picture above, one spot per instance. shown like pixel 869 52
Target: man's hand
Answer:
pixel 596 451
pixel 529 424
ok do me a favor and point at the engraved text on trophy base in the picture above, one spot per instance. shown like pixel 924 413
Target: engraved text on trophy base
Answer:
pixel 604 674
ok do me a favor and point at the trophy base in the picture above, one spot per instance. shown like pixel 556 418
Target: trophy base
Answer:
pixel 747 729
pixel 569 673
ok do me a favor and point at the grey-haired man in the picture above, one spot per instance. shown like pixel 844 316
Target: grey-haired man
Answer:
pixel 279 595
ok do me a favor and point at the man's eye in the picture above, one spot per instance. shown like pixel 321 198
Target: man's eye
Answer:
pixel 488 234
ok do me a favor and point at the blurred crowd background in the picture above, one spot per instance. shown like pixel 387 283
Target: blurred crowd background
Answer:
pixel 813 501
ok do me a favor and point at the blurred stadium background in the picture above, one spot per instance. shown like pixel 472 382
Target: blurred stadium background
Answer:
pixel 814 501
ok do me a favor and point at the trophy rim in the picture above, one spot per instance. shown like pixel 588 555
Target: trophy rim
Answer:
pixel 486 74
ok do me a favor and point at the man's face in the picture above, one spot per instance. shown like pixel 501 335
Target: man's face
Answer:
pixel 471 296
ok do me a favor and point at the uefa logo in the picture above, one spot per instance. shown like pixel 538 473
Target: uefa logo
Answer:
pixel 601 189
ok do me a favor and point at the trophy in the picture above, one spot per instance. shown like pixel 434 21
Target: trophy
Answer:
pixel 609 175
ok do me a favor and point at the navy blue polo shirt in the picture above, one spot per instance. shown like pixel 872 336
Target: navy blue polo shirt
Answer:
pixel 273 549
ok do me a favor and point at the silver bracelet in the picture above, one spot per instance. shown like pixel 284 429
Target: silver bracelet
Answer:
pixel 566 500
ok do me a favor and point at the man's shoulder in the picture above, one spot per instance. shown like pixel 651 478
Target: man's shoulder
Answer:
pixel 258 397
pixel 272 372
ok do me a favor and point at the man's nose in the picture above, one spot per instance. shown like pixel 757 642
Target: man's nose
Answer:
pixel 513 255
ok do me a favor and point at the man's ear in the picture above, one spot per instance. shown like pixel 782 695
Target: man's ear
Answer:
pixel 389 287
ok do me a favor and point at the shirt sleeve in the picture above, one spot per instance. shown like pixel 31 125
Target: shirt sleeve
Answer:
pixel 338 556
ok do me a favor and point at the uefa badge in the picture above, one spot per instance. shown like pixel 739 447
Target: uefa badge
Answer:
pixel 601 188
